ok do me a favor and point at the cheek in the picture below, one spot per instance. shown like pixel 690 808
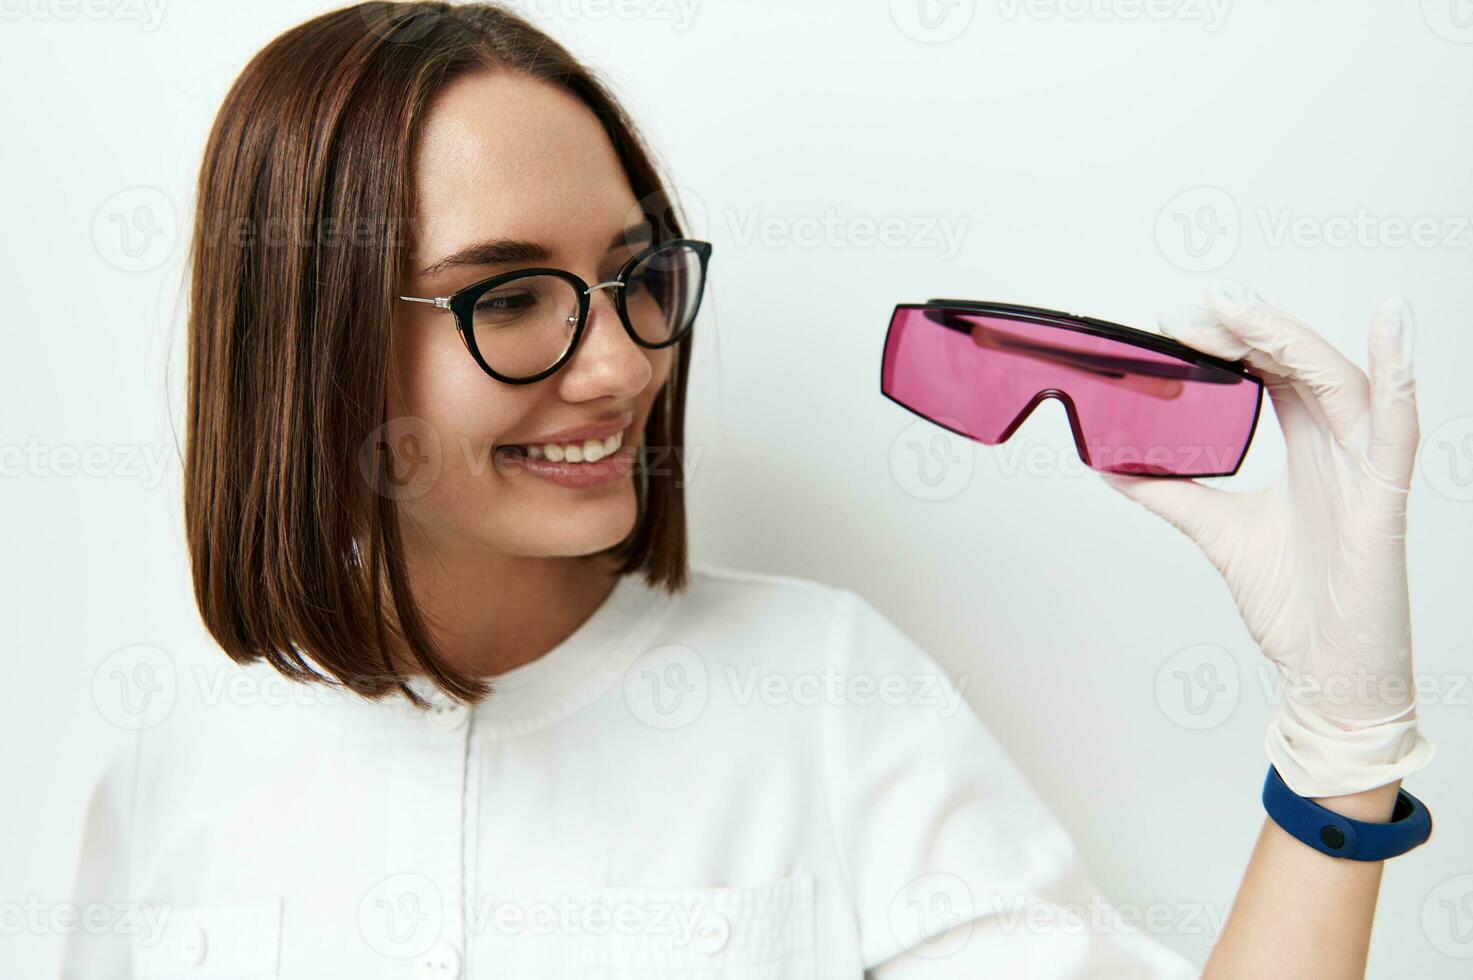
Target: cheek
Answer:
pixel 433 378
pixel 662 364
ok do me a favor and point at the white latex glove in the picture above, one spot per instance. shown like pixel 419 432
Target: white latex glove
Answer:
pixel 1317 562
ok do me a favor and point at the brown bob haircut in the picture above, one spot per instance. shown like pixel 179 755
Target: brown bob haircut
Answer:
pixel 303 195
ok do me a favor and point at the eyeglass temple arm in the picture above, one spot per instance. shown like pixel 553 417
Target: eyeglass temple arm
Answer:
pixel 1108 365
pixel 443 302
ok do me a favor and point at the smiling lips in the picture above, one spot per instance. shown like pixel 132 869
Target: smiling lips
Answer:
pixel 591 463
pixel 589 450
pixel 600 431
pixel 591 441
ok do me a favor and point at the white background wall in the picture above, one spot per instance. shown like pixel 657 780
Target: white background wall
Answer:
pixel 1066 145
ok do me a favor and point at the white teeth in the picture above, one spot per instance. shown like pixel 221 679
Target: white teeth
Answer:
pixel 590 450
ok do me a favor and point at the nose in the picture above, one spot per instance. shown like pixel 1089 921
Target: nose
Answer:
pixel 607 361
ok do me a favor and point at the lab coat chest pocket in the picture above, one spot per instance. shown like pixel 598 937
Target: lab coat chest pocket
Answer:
pixel 758 932
pixel 238 941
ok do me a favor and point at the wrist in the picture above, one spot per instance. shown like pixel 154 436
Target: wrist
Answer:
pixel 1319 758
pixel 1371 805
pixel 1366 834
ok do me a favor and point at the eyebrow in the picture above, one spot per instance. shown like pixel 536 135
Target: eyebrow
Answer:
pixel 504 251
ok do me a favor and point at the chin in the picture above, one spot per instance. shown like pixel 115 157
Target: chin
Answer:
pixel 567 533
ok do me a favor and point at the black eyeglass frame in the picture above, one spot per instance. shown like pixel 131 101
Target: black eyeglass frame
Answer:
pixel 462 304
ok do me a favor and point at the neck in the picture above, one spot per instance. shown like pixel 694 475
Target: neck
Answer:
pixel 490 613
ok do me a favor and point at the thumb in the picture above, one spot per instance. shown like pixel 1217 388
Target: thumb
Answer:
pixel 1195 510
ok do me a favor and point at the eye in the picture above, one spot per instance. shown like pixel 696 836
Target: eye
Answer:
pixel 500 303
pixel 512 304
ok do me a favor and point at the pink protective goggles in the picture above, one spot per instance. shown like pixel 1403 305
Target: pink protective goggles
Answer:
pixel 1139 403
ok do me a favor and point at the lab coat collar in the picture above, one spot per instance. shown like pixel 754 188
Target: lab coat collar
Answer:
pixel 577 671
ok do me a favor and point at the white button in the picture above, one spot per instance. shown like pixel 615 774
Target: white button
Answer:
pixel 194 945
pixel 447 717
pixel 442 962
pixel 711 934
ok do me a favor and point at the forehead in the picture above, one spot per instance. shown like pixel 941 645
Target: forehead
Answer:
pixel 501 154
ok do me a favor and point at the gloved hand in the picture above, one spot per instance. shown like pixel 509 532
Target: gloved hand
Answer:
pixel 1317 562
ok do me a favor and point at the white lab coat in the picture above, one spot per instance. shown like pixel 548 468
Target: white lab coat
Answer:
pixel 761 778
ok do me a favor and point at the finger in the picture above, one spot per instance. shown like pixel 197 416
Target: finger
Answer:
pixel 1198 328
pixel 1394 432
pixel 1326 378
pixel 1200 512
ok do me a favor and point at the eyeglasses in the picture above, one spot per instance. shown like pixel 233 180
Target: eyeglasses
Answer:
pixel 1139 403
pixel 522 326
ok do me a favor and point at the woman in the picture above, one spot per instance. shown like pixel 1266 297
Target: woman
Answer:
pixel 439 341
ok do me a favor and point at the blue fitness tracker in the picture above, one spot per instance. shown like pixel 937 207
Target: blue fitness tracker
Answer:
pixel 1339 836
